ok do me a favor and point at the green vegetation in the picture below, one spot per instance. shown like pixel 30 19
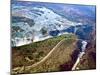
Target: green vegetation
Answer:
pixel 44 30
pixel 28 55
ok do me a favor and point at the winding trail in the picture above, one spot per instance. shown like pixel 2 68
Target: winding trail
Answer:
pixel 58 55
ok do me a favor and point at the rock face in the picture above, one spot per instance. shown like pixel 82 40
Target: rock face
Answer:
pixel 32 23
pixel 82 31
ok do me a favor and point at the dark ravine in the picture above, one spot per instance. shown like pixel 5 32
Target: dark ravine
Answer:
pixel 75 57
pixel 85 41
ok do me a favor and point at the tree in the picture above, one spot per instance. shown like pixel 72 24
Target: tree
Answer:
pixel 44 30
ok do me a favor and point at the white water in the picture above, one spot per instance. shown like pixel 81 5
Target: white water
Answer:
pixel 24 41
pixel 84 44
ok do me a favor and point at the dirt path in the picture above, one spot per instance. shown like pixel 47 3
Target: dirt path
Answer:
pixel 58 55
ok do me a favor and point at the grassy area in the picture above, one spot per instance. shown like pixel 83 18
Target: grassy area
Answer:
pixel 59 56
pixel 29 54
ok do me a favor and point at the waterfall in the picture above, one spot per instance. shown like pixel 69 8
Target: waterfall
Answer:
pixel 75 29
pixel 83 47
pixel 84 44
